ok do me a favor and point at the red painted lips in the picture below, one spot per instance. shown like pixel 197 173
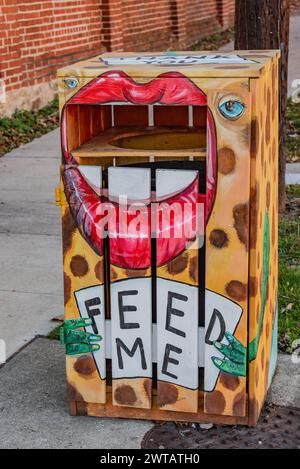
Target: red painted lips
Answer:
pixel 135 252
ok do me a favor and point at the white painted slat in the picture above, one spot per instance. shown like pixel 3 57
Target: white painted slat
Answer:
pixel 131 302
pixel 177 333
pixel 131 330
pixel 177 304
pixel 134 183
pixel 173 181
pixel 92 175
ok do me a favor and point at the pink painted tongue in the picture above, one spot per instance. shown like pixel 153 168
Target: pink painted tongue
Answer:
pixel 173 235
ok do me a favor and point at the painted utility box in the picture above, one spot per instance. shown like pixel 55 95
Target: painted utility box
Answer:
pixel 169 216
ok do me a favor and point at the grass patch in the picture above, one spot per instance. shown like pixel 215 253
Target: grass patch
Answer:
pixel 54 335
pixel 289 272
pixel 215 41
pixel 293 131
pixel 24 126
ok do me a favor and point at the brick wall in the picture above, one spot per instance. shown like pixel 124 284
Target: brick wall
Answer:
pixel 37 37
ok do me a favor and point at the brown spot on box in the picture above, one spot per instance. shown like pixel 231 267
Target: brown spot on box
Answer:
pixel 178 265
pixel 241 222
pixel 254 138
pixel 193 269
pixel 218 238
pixel 73 394
pixel 245 132
pixel 166 394
pixel 267 373
pixel 229 381
pixel 125 395
pixel 257 376
pixel 67 288
pixel 238 406
pixel 99 271
pixel 257 313
pixel 226 160
pixel 215 402
pixel 236 290
pixel 254 200
pixel 258 260
pixel 79 266
pixel 262 359
pixel 268 118
pixel 148 388
pixel 273 235
pixel 136 273
pixel 268 193
pixel 85 365
pixel 113 274
pixel 68 229
pixel 274 149
pixel 253 286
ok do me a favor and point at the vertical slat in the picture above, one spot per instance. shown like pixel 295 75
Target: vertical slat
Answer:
pixel 177 301
pixel 131 310
pixel 84 117
pixel 72 126
pixel 226 272
pixel 84 296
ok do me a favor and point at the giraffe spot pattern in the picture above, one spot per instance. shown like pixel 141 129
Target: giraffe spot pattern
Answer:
pixel 254 199
pixel 125 395
pixel 193 269
pixel 226 160
pixel 268 194
pixel 79 266
pixel 73 393
pixel 229 381
pixel 215 402
pixel 166 394
pixel 253 286
pixel 85 365
pixel 136 272
pixel 236 290
pixel 67 288
pixel 254 137
pixel 113 274
pixel 239 403
pixel 219 238
pixel 240 216
pixel 68 227
pixel 99 271
pixel 148 388
pixel 178 265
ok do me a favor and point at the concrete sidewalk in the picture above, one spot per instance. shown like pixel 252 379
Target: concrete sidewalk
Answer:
pixel 30 242
pixel 34 409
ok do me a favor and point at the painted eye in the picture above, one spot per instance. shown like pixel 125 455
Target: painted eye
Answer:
pixel 231 109
pixel 71 82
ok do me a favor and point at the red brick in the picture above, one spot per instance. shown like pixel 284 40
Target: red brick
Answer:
pixel 40 36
